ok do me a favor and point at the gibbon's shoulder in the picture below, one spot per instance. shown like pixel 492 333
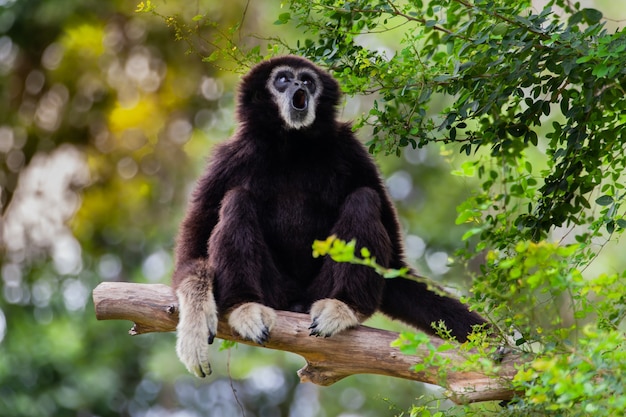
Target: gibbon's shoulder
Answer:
pixel 350 145
pixel 226 165
pixel 233 151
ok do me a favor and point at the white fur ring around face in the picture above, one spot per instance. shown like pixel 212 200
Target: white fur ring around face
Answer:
pixel 330 316
pixel 252 321
pixel 197 327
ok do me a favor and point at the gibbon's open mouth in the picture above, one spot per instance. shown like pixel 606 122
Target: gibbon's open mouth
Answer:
pixel 299 100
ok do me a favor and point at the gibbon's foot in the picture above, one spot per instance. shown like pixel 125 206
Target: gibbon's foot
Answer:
pixel 252 321
pixel 196 329
pixel 330 316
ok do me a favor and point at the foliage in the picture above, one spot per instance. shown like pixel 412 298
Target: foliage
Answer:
pixel 342 251
pixel 577 367
pixel 588 380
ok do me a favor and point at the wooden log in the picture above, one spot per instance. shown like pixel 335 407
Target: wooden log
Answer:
pixel 154 308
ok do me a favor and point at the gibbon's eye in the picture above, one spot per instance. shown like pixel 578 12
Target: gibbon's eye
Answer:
pixel 308 83
pixel 282 80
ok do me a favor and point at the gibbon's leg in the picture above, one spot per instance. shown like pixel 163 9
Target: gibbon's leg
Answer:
pixel 240 258
pixel 348 294
pixel 412 302
pixel 197 323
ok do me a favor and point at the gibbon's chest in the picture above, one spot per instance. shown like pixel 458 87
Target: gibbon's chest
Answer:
pixel 296 203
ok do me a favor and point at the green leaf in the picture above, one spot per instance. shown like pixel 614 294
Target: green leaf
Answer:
pixel 227 344
pixel 592 16
pixel 529 167
pixel 610 227
pixel 212 57
pixel 601 70
pixel 575 19
pixel 605 200
pixel 145 7
pixel 445 347
pixel 500 29
pixel 395 273
pixel 419 367
pixel 283 18
pixel 471 232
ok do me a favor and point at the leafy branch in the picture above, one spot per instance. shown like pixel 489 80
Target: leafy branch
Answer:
pixel 342 251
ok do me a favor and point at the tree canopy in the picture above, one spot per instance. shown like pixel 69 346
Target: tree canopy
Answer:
pixel 499 125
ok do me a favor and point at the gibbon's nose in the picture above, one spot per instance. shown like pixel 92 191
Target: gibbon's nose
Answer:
pixel 299 100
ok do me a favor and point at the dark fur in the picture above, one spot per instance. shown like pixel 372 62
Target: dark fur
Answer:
pixel 269 192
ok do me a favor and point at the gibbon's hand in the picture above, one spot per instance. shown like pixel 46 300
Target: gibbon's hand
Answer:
pixel 197 327
pixel 330 316
pixel 252 321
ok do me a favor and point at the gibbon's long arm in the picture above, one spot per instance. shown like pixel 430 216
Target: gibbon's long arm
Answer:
pixel 369 176
pixel 193 278
pixel 347 294
pixel 202 215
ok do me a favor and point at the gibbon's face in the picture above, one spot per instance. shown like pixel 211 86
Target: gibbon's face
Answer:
pixel 295 91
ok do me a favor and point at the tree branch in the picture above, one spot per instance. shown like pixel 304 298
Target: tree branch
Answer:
pixel 154 308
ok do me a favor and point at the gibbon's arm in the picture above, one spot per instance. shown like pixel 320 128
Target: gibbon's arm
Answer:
pixel 203 212
pixel 193 277
pixel 369 176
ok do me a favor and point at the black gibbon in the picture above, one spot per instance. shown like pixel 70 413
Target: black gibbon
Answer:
pixel 292 173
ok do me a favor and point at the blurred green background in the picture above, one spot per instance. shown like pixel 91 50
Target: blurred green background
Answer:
pixel 105 122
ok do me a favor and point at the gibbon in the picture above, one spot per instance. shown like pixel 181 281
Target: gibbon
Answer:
pixel 292 173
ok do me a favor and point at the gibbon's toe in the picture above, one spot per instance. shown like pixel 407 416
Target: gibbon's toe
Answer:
pixel 252 321
pixel 196 329
pixel 330 316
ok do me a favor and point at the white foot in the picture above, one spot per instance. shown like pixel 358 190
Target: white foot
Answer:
pixel 330 316
pixel 253 321
pixel 197 327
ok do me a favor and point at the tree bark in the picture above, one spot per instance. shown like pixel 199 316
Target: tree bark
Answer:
pixel 154 308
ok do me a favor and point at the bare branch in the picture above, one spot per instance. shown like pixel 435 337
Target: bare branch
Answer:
pixel 154 308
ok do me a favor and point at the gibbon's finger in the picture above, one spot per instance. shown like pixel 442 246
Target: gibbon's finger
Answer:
pixel 203 369
pixel 315 331
pixel 193 352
